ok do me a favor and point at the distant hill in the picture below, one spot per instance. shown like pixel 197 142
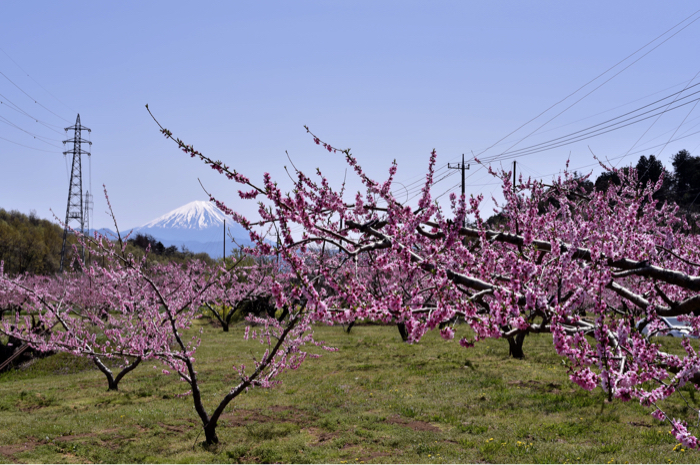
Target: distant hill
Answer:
pixel 108 233
pixel 29 244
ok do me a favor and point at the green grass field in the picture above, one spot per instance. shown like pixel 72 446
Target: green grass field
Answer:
pixel 376 400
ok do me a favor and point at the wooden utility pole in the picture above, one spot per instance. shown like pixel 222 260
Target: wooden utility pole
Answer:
pixel 462 167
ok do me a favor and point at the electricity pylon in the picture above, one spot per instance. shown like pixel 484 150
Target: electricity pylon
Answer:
pixel 74 210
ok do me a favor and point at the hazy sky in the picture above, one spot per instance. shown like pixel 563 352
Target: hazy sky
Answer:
pixel 392 80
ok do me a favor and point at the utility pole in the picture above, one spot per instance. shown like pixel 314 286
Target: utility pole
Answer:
pixel 462 167
pixel 514 162
pixel 74 209
pixel 224 242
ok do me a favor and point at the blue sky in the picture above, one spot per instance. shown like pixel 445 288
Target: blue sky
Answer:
pixel 392 80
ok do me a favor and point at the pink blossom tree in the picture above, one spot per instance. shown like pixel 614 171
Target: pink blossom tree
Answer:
pixel 283 340
pixel 55 316
pixel 167 298
pixel 585 267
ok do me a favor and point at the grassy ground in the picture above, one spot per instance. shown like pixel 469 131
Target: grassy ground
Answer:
pixel 376 400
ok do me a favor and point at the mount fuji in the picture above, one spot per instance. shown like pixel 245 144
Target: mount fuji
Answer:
pixel 198 225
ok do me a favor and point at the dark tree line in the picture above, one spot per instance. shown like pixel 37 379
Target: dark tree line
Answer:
pixel 682 186
pixel 145 240
pixel 29 244
pixel 158 252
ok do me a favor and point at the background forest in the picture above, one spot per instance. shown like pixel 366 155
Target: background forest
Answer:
pixel 32 245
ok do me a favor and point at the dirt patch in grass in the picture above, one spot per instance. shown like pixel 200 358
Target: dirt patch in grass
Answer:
pixel 642 424
pixel 366 456
pixel 376 455
pixel 320 436
pixel 9 451
pixel 243 417
pixel 29 445
pixel 175 428
pixel 289 413
pixel 553 388
pixel 415 425
pixel 323 437
pixel 96 435
pixel 73 437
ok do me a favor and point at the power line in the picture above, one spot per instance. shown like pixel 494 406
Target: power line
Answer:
pixel 36 82
pixel 18 109
pixel 592 164
pixel 679 126
pixel 696 147
pixel 659 117
pixel 572 138
pixel 590 116
pixel 626 154
pixel 582 87
pixel 593 80
pixel 35 136
pixel 33 148
pixel 657 137
pixel 421 177
pixel 32 98
pixel 419 190
pixel 611 109
pixel 577 101
pixel 418 184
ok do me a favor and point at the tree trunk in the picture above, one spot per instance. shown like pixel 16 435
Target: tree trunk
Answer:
pixel 112 382
pixel 515 346
pixel 402 331
pixel 352 323
pixel 224 321
pixel 210 434
pixel 126 370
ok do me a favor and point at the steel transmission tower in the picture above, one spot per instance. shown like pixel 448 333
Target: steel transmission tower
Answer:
pixel 75 210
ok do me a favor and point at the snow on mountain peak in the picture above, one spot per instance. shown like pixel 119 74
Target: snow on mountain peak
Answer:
pixel 194 215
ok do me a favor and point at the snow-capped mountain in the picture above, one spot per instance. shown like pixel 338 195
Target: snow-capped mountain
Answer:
pixel 195 215
pixel 197 225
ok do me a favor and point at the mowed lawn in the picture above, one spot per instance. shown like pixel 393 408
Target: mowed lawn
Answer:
pixel 376 400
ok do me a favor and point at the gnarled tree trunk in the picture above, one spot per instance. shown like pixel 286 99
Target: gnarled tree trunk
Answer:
pixel 112 381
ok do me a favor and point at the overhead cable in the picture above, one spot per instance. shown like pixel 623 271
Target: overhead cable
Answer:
pixel 594 79
pixel 37 82
pixel 32 98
